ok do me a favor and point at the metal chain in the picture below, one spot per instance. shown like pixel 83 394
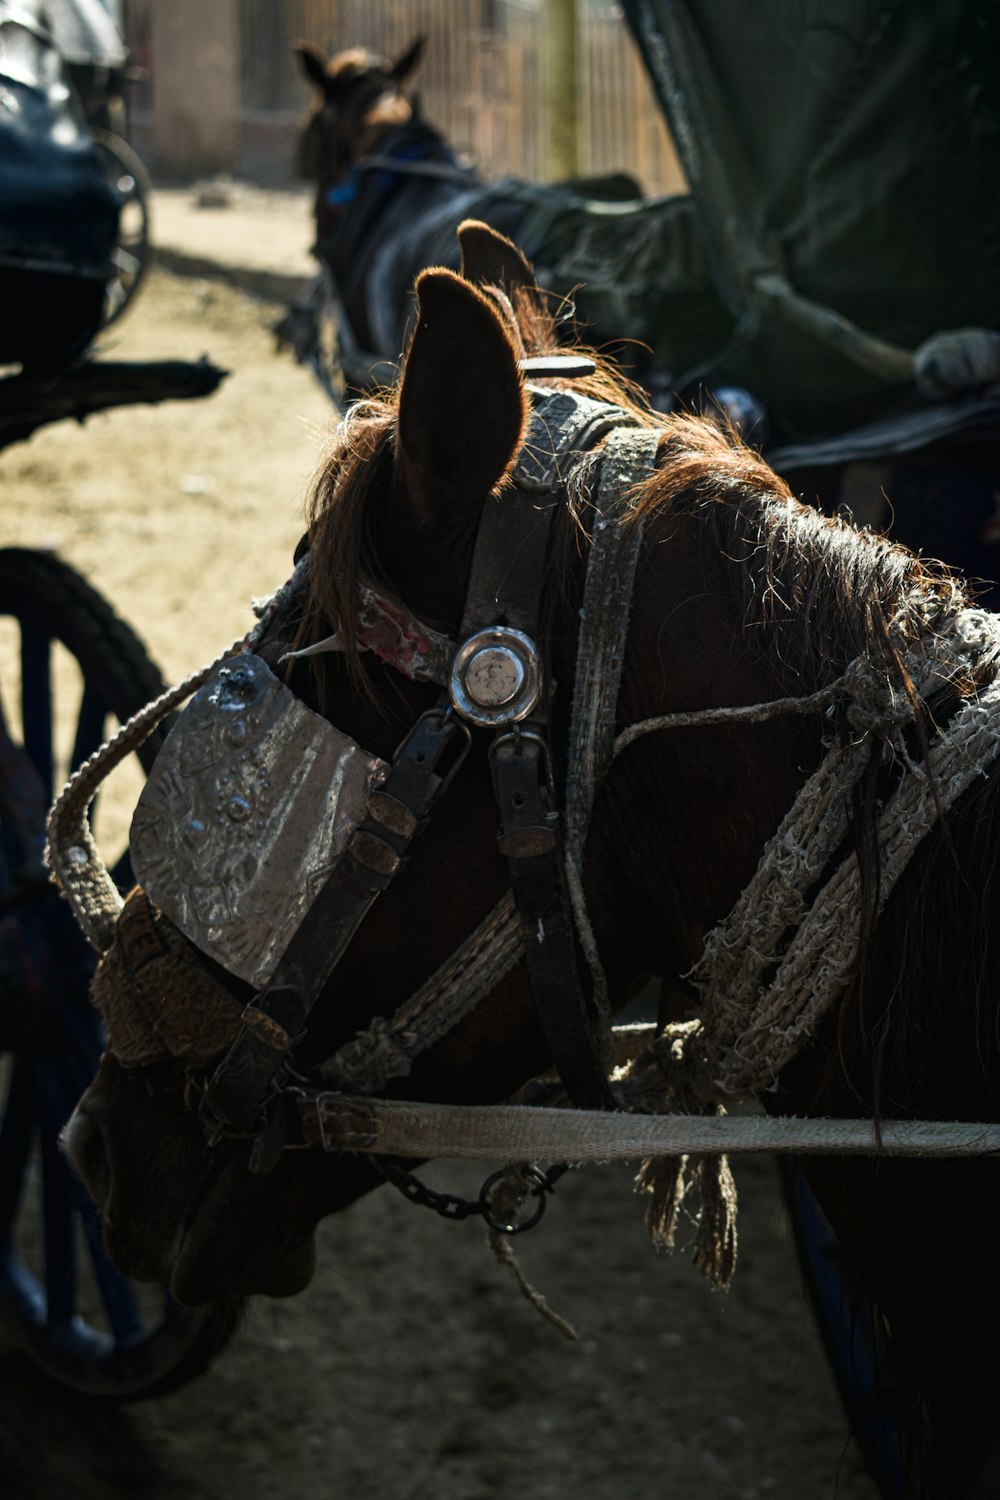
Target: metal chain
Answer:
pixel 452 1207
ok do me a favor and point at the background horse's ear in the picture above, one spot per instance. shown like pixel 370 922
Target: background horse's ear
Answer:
pixel 312 63
pixel 405 66
pixel 462 404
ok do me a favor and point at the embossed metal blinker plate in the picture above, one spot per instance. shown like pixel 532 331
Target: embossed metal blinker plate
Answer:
pixel 247 809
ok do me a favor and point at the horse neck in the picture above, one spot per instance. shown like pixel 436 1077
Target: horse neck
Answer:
pixel 374 243
pixel 683 815
pixel 363 190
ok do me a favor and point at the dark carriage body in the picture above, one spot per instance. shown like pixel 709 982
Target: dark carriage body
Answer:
pixel 856 158
pixel 843 175
pixel 58 210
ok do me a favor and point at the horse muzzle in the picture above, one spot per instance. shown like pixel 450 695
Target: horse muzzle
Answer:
pixel 87 1141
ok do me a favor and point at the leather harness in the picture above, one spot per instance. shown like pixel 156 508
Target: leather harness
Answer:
pixel 497 682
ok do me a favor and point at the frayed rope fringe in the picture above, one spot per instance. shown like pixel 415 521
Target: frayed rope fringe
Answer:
pixel 504 1252
pixel 670 1182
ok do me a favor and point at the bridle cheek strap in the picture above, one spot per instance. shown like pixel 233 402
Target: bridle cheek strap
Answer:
pixel 505 591
pixel 531 839
pixel 507 575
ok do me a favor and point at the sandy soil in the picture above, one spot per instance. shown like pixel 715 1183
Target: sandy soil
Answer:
pixel 412 1369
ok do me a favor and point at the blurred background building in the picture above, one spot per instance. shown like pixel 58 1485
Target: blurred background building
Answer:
pixel 219 92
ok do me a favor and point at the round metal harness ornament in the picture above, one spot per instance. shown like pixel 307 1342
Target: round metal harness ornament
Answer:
pixel 495 677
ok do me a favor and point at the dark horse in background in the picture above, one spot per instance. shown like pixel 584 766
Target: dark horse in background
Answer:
pixel 742 596
pixel 391 191
pixel 634 274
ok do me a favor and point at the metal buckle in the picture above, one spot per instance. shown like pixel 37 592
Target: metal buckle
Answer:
pixel 519 737
pixel 447 717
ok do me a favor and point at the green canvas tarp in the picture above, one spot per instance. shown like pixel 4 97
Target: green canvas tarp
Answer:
pixel 844 164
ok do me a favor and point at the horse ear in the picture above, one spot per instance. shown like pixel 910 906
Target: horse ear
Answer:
pixel 462 404
pixel 405 66
pixel 491 259
pixel 312 64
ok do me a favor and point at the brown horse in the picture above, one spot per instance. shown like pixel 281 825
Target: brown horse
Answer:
pixel 741 597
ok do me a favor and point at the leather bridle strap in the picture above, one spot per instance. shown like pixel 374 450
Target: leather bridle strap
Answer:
pixel 275 1020
pixel 531 840
pixel 505 589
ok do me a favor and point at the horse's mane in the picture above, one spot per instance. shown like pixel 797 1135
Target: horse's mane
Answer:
pixel 818 592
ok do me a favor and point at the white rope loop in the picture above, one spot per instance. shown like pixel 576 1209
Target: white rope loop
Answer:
pixel 71 854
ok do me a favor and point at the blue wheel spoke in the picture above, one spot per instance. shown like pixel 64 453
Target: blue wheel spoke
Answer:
pixel 16 1136
pixel 116 1290
pixel 67 1078
pixel 89 726
pixel 36 701
pixel 6 835
pixel 57 1215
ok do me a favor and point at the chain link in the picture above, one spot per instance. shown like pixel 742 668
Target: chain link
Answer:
pixel 452 1207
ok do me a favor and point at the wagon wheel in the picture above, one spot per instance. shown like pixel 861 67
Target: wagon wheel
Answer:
pixel 71 669
pixel 133 253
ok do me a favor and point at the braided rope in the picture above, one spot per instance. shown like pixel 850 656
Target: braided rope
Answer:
pixel 755 1034
pixel 749 1032
pixel 388 1047
pixel 71 853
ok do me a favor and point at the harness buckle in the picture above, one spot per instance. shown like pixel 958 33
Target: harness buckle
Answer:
pixel 449 724
pixel 270 1143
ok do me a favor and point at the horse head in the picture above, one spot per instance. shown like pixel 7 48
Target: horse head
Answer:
pixel 358 97
pixel 397 506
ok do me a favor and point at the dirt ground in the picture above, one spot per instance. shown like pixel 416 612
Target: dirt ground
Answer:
pixel 411 1369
